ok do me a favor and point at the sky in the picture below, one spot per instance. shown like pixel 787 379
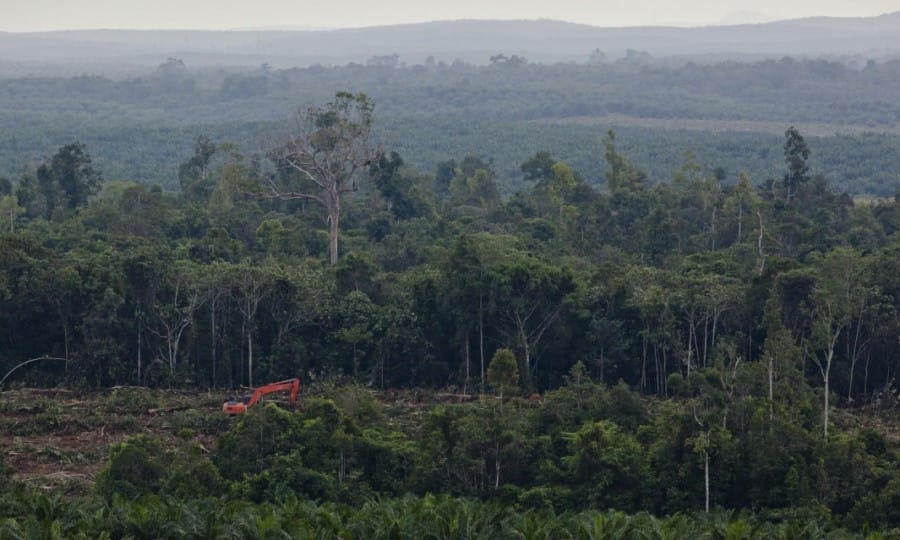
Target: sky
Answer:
pixel 43 15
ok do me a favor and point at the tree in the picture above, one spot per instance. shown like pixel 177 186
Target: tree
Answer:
pixel 465 293
pixel 700 198
pixel 609 465
pixel 527 295
pixel 779 354
pixel 136 466
pixel 739 207
pixel 503 371
pixel 475 184
pixel 402 196
pixel 796 153
pixel 324 154
pixel 68 180
pixel 176 295
pixel 250 284
pixel 621 175
pixel 538 168
pixel 443 175
pixel 836 298
pixel 10 210
pixel 358 316
pixel 102 347
pixel 597 58
pixel 562 185
pixel 194 175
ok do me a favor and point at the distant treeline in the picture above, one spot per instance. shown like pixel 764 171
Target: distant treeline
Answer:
pixel 140 128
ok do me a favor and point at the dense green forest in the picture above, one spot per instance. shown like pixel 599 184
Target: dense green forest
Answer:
pixel 729 114
pixel 643 347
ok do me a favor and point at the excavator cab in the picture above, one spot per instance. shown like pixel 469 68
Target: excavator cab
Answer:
pixel 236 406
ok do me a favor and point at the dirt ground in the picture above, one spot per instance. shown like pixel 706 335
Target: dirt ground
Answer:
pixel 59 439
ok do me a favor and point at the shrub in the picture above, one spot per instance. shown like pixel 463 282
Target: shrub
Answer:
pixel 503 371
pixel 136 466
pixel 193 476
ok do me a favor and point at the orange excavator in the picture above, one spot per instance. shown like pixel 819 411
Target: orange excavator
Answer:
pixel 235 406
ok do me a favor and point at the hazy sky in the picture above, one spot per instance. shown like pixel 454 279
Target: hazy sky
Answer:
pixel 37 15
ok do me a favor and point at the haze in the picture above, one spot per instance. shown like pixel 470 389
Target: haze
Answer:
pixel 44 15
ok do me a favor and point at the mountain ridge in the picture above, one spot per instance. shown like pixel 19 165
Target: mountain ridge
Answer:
pixel 468 40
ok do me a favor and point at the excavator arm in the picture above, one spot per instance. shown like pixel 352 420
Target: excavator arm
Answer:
pixel 233 407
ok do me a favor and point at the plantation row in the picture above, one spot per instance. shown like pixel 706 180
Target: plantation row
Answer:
pixel 407 518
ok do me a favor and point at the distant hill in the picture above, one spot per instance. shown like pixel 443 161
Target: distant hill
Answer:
pixel 467 40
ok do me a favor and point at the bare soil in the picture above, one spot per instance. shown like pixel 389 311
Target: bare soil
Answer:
pixel 60 439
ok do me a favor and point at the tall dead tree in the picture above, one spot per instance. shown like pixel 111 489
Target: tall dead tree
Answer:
pixel 324 155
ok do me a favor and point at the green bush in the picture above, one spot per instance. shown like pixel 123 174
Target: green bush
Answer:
pixel 251 444
pixel 193 476
pixel 555 498
pixel 199 421
pixel 287 477
pixel 136 466
pixel 503 371
pixel 131 400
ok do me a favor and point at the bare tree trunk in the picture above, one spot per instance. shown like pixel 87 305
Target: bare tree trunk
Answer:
pixel 656 368
pixel 866 373
pixel 827 391
pixel 250 357
pixel 705 340
pixel 690 344
pixel 227 360
pixel 139 358
pixel 497 466
pixel 66 343
pixel 212 333
pixel 644 364
pixel 853 354
pixel 665 372
pixel 715 327
pixel 523 338
pixel 602 364
pixel 334 216
pixel 706 471
pixel 466 356
pixel 759 244
pixel 826 377
pixel 481 338
pixel 771 370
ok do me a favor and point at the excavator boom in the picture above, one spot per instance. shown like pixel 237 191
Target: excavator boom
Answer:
pixel 233 407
